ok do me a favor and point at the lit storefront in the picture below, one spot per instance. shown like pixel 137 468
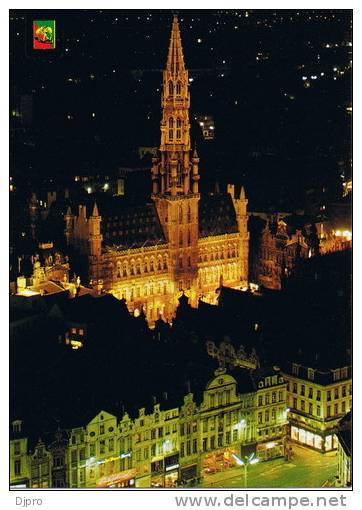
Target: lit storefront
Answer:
pixel 313 440
pixel 219 461
pixel 122 479
pixel 172 470
pixel 157 473
pixel 270 450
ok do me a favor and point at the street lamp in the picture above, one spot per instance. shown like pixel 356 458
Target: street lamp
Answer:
pixel 251 459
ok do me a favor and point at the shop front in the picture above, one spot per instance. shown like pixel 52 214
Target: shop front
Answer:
pixel 270 449
pixel 122 479
pixel 157 473
pixel 172 470
pixel 219 461
pixel 20 484
pixel 313 440
pixel 188 474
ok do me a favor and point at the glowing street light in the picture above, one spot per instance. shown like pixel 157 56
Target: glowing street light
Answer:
pixel 246 461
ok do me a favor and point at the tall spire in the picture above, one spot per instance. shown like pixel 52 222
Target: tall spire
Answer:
pixel 175 59
pixel 174 171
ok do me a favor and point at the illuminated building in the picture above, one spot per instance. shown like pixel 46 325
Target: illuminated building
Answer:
pixel 165 445
pixel 317 400
pixel 19 460
pixel 40 467
pixel 278 254
pixel 207 125
pixel 344 451
pixel 147 253
pixel 271 420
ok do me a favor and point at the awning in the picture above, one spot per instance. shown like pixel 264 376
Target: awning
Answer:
pixel 124 476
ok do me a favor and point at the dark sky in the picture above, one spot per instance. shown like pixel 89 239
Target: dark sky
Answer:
pixel 247 69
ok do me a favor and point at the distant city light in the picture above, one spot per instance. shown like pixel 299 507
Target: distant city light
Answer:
pixel 199 40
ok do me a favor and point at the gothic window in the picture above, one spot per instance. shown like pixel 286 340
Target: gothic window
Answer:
pixel 189 214
pixel 178 89
pixel 159 264
pixel 170 128
pixel 180 262
pixel 178 129
pixel 152 265
pixel 170 88
pixel 189 237
pixel 138 267
pixel 180 214
pixel 180 238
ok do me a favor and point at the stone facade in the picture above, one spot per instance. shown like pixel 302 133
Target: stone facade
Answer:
pixel 278 254
pixel 317 400
pixel 170 444
pixel 180 240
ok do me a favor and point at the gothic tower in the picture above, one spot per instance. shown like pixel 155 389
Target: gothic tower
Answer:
pixel 175 173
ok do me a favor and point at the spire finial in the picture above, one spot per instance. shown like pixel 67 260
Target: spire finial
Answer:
pixel 175 59
pixel 95 212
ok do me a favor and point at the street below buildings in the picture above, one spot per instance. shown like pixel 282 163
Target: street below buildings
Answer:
pixel 307 468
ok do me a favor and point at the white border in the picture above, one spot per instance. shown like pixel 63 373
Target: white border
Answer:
pixel 161 499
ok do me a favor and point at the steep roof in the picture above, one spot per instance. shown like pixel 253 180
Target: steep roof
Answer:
pixel 216 215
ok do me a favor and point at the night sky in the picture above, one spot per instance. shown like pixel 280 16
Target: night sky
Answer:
pixel 96 98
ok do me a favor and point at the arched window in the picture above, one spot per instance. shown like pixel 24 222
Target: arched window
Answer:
pixel 178 129
pixel 170 88
pixel 178 89
pixel 180 238
pixel 180 214
pixel 189 237
pixel 170 128
pixel 189 214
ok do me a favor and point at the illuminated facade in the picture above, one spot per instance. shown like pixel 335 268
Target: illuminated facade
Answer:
pixel 164 445
pixel 344 452
pixel 19 459
pixel 317 401
pixel 180 240
pixel 278 254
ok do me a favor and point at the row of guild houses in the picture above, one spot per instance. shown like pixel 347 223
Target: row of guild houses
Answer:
pixel 165 445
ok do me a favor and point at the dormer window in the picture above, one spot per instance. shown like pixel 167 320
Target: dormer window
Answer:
pixel 311 374
pixel 295 369
pixel 16 426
